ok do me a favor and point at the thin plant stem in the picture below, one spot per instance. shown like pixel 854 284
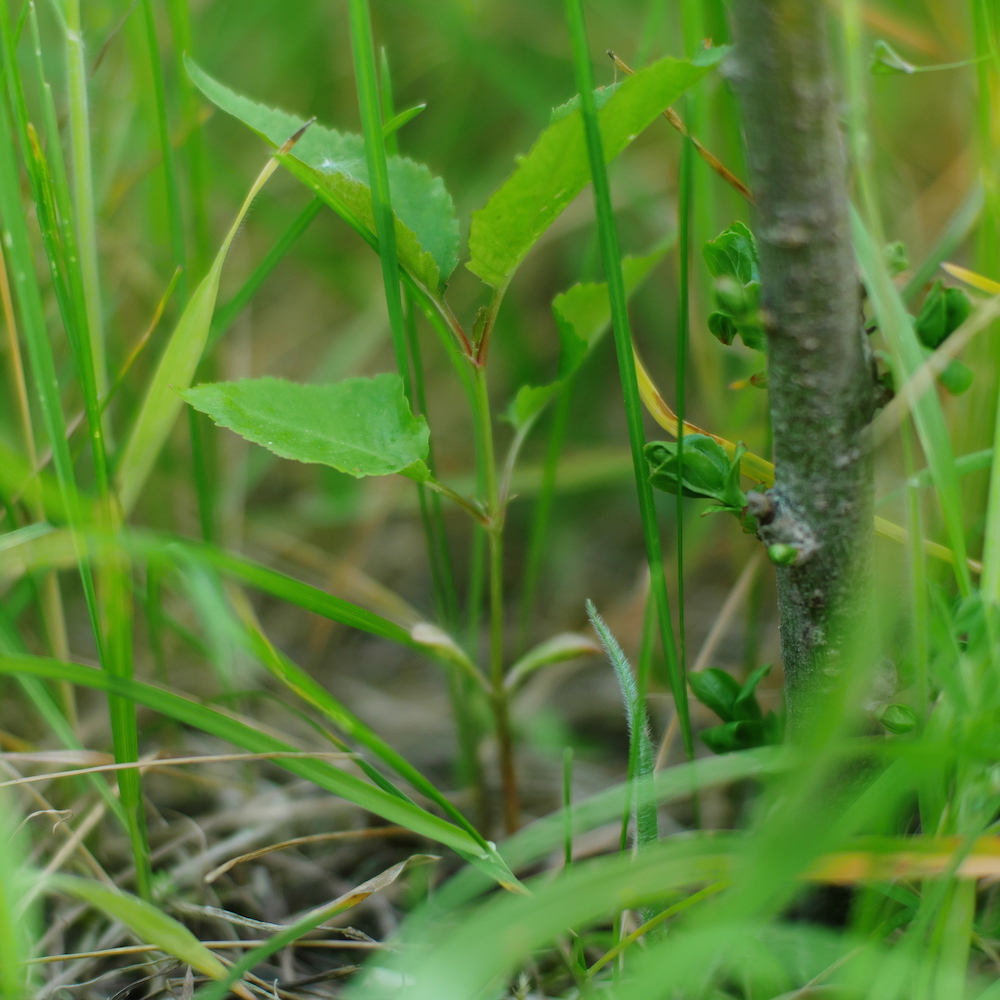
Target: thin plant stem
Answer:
pixel 611 256
pixel 567 803
pixel 544 507
pixel 494 532
pixel 685 202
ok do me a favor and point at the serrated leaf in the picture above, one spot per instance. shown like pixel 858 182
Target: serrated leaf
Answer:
pixel 733 253
pixel 333 165
pixel 582 315
pixel 147 922
pixel 360 426
pixel 556 169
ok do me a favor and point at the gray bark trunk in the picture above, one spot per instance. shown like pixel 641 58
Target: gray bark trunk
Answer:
pixel 819 373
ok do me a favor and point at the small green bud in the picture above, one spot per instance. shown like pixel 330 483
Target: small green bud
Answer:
pixel 898 719
pixel 782 555
pixel 731 296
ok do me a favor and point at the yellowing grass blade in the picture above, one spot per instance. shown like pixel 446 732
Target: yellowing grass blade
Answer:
pixel 979 281
pixel 179 362
pixel 760 470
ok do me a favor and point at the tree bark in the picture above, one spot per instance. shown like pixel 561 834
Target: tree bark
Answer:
pixel 819 371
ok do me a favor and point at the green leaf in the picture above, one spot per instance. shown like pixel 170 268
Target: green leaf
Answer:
pixel 722 327
pixel 601 97
pixel 957 377
pixel 360 426
pixel 708 470
pixel 716 689
pixel 943 311
pixel 146 921
pixel 333 165
pixel 746 705
pixel 556 169
pixel 733 253
pixel 898 719
pixel 582 315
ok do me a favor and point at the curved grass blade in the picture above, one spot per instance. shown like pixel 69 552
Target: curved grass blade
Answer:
pixel 148 923
pixel 242 734
pixel 640 747
pixel 177 366
pixel 218 991
pixel 311 691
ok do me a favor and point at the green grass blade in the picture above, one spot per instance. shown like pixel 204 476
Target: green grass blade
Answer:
pixel 897 328
pixel 17 930
pixel 83 187
pixel 315 917
pixel 175 370
pixel 171 187
pixel 640 747
pixel 225 315
pixel 250 738
pixel 146 921
pixel 611 255
pixel 311 691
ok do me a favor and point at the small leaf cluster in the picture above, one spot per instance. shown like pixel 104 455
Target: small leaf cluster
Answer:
pixel 943 311
pixel 700 467
pixel 744 724
pixel 734 262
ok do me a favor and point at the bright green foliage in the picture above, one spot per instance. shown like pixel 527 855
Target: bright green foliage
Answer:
pixel 744 724
pixel 583 315
pixel 555 170
pixel 733 261
pixel 707 472
pixel 333 164
pixel 898 719
pixel 146 921
pixel 943 312
pixel 360 426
